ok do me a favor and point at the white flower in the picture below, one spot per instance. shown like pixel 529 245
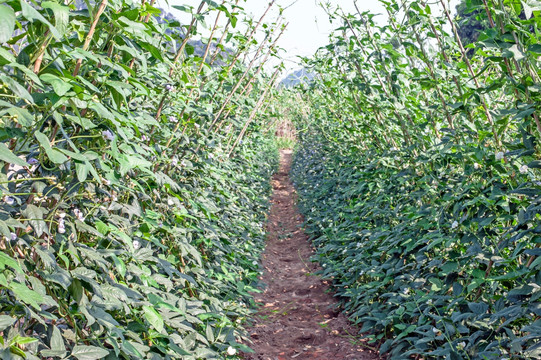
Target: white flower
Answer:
pixel 476 166
pixel 170 202
pixel 62 215
pixel 9 200
pixel 461 345
pixel 394 148
pixel 182 163
pixel 429 302
pixel 106 182
pixel 174 162
pixel 211 156
pixel 231 351
pixel 136 244
pixel 523 169
pixel 454 225
pixel 406 291
pixel 79 214
pixel 254 263
pixel 61 226
pixel 169 87
pixel 435 330
pixel 197 125
pixel 144 137
pixel 13 236
pixel 499 155
pixel 173 119
pixel 108 135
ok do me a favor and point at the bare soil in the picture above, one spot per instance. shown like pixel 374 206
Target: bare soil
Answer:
pixel 297 318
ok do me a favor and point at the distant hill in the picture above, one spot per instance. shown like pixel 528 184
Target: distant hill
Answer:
pixel 297 77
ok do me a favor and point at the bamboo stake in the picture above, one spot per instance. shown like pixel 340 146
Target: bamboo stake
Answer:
pixel 90 34
pixel 186 38
pixel 517 66
pixel 405 132
pixel 253 78
pixel 239 82
pixel 470 69
pixel 254 112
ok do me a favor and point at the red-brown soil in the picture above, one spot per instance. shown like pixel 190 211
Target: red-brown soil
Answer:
pixel 297 318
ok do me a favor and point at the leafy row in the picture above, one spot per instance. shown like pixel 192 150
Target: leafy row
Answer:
pixel 128 229
pixel 417 172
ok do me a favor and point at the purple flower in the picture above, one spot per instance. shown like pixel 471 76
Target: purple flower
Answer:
pixel 32 161
pixel 144 138
pixel 174 161
pixel 168 87
pixel 9 200
pixel 108 135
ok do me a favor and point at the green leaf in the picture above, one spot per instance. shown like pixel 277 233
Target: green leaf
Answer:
pixel 61 15
pixel 6 321
pixel 32 14
pixel 84 352
pixel 536 164
pixel 60 86
pixel 57 342
pixel 26 295
pixel 54 155
pixel 24 117
pixel 36 214
pixel 478 308
pixel 8 157
pixel 153 317
pixel 82 170
pixel 17 88
pixel 5 259
pixel 7 23
pixel 21 340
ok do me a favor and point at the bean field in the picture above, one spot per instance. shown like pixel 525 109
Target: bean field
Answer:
pixel 139 151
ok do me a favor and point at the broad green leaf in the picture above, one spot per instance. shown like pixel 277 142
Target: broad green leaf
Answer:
pixel 26 295
pixel 6 321
pixel 7 22
pixel 54 155
pixel 60 86
pixel 16 88
pixel 153 317
pixel 35 215
pixel 8 157
pixel 85 352
pixel 32 14
pixel 6 260
pixel 61 15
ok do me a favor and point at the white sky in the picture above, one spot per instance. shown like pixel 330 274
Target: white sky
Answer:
pixel 309 25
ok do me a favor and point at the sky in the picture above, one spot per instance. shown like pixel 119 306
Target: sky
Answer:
pixel 309 25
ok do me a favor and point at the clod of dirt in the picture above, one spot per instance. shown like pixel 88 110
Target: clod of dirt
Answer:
pixel 297 318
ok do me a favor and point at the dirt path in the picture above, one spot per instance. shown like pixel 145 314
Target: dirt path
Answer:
pixel 297 319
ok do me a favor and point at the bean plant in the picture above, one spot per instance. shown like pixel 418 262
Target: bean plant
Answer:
pixel 417 168
pixel 135 177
